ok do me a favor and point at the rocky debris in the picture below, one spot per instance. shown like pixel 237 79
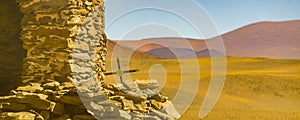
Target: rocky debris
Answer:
pixel 140 101
pixel 11 106
pixel 51 85
pixel 83 117
pixel 58 109
pixel 32 87
pixel 35 101
pixel 68 99
pixel 170 110
pixel 145 117
pixel 63 117
pixel 86 102
pixel 28 103
pixel 147 83
pixel 17 116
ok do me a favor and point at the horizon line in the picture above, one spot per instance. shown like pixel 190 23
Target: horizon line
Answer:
pixel 263 21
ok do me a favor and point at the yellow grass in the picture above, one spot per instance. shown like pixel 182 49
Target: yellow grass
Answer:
pixel 255 88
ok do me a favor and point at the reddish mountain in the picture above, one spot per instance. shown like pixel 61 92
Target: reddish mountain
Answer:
pixel 154 43
pixel 172 53
pixel 116 50
pixel 264 39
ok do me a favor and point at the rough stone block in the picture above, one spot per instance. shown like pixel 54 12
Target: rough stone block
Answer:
pixel 12 106
pixel 34 101
pixel 83 117
pixel 63 117
pixel 33 88
pixel 17 116
pixel 58 109
pixel 71 100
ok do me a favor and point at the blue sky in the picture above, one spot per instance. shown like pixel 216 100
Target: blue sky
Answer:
pixel 138 19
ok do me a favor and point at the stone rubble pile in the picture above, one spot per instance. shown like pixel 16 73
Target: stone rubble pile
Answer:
pixel 52 100
pixel 46 101
pixel 135 97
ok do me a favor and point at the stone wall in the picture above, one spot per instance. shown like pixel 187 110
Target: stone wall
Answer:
pixel 11 50
pixel 65 46
pixel 50 37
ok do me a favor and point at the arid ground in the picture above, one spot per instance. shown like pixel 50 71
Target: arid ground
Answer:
pixel 255 88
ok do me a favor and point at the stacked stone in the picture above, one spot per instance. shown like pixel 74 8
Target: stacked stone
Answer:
pixel 50 100
pixel 140 100
pixel 89 41
pixel 54 29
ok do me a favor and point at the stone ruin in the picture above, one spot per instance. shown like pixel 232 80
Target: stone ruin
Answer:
pixel 64 48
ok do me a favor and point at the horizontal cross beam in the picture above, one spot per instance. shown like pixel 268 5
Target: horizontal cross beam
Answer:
pixel 125 71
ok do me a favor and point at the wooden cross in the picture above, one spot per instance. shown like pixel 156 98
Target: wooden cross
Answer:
pixel 119 72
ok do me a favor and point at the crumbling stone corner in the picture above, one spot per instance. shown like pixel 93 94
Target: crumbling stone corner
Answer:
pixel 57 32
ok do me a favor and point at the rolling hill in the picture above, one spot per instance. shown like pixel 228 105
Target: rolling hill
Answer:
pixel 172 53
pixel 115 50
pixel 264 39
pixel 169 52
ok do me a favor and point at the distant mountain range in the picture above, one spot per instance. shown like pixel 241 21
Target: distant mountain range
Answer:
pixel 264 39
pixel 114 50
pixel 182 53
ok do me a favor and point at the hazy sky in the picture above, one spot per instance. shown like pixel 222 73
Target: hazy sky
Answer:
pixel 137 19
